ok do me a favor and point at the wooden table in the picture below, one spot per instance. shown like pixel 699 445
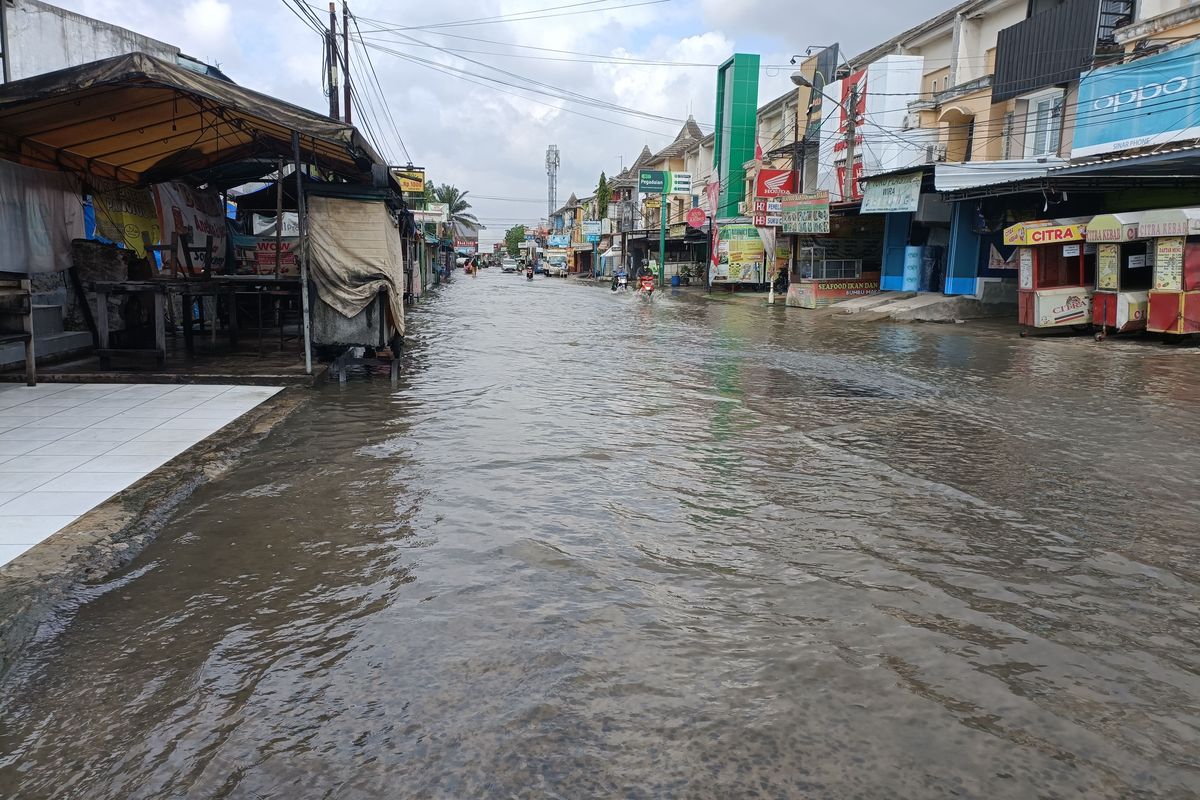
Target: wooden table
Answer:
pixel 261 286
pixel 187 290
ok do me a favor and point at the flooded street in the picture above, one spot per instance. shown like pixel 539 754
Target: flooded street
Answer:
pixel 591 547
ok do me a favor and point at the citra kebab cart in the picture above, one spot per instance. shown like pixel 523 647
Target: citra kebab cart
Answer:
pixel 1175 298
pixel 1056 274
pixel 1124 272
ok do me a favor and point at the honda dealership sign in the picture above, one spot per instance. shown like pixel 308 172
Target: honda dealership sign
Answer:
pixel 1145 103
pixel 774 182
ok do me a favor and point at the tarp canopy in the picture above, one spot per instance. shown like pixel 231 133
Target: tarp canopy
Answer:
pixel 140 120
pixel 354 253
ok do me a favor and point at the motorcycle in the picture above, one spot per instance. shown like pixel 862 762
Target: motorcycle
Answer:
pixel 529 274
pixel 646 287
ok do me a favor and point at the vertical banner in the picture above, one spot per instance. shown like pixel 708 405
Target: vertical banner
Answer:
pixel 767 234
pixel 713 190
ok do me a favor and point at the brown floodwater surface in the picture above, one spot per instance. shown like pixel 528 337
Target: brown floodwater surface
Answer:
pixel 593 547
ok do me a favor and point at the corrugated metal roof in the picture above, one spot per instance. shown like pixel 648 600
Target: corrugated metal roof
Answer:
pixel 954 177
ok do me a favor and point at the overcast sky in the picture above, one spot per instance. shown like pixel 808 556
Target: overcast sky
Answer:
pixel 491 140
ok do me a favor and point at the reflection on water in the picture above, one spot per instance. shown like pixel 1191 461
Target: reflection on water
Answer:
pixel 594 548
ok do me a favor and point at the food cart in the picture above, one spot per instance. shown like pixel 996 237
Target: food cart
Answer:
pixel 1056 273
pixel 1124 273
pixel 1175 297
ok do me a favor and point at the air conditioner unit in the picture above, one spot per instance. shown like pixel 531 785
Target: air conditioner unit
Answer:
pixel 743 208
pixel 935 153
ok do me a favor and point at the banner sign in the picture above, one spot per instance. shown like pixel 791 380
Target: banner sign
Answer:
pixel 558 240
pixel 740 255
pixel 123 213
pixel 412 181
pixel 806 213
pixel 591 227
pixel 775 182
pixel 655 181
pixel 262 249
pixel 1146 102
pixel 182 209
pixel 893 194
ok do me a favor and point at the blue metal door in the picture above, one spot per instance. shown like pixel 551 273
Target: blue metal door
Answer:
pixel 962 259
pixel 895 237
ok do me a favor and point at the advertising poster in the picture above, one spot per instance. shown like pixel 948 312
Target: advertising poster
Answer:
pixel 741 254
pixel 1168 266
pixel 123 213
pixel 182 209
pixel 1108 266
pixel 1025 263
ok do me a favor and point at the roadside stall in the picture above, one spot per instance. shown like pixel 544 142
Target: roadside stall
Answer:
pixel 1056 273
pixel 1175 297
pixel 1124 273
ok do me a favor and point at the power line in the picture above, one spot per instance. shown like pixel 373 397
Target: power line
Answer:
pixel 383 98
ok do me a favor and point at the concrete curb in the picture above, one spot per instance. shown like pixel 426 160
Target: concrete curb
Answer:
pixel 42 585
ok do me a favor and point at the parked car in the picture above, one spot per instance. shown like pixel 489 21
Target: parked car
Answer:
pixel 556 268
pixel 508 264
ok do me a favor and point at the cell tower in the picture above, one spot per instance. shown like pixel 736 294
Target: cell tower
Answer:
pixel 552 175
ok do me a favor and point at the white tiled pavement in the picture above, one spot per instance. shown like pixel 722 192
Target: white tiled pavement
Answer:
pixel 65 448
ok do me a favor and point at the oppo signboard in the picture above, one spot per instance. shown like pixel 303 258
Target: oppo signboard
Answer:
pixel 1145 103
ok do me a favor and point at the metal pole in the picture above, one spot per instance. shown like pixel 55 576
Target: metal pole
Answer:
pixel 662 239
pixel 278 221
pixel 594 250
pixel 331 39
pixel 4 41
pixel 302 216
pixel 851 124
pixel 346 58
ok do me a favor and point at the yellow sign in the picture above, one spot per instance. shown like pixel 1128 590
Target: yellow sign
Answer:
pixel 1025 234
pixel 653 202
pixel 1108 266
pixel 123 213
pixel 412 181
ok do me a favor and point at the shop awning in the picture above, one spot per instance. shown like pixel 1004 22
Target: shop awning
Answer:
pixel 137 119
pixel 1170 222
pixel 973 174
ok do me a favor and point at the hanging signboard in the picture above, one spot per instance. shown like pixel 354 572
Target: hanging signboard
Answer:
pixel 591 227
pixel 805 213
pixel 411 180
pixel 182 209
pixel 559 240
pixel 696 217
pixel 894 194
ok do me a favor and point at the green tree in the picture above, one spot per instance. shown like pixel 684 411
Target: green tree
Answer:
pixel 460 216
pixel 512 237
pixel 603 195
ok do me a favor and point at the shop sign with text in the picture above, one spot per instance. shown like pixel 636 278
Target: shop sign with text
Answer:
pixel 1026 234
pixel 805 213
pixel 412 181
pixel 655 181
pixel 894 194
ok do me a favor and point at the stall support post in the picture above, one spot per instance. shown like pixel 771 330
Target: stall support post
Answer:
pixel 662 240
pixel 302 216
pixel 278 224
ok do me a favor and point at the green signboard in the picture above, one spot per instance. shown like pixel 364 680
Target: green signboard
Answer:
pixel 737 110
pixel 657 181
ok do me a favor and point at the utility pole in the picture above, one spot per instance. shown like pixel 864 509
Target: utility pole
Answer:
pixel 332 53
pixel 851 129
pixel 4 41
pixel 662 235
pixel 346 56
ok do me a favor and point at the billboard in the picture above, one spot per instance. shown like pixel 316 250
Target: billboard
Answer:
pixel 558 240
pixel 1147 102
pixel 740 255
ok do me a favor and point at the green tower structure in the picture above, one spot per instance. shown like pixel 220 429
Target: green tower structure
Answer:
pixel 737 109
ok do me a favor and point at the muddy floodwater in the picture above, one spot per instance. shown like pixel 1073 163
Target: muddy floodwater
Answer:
pixel 590 547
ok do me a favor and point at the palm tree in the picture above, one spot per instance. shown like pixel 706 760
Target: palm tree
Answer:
pixel 460 217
